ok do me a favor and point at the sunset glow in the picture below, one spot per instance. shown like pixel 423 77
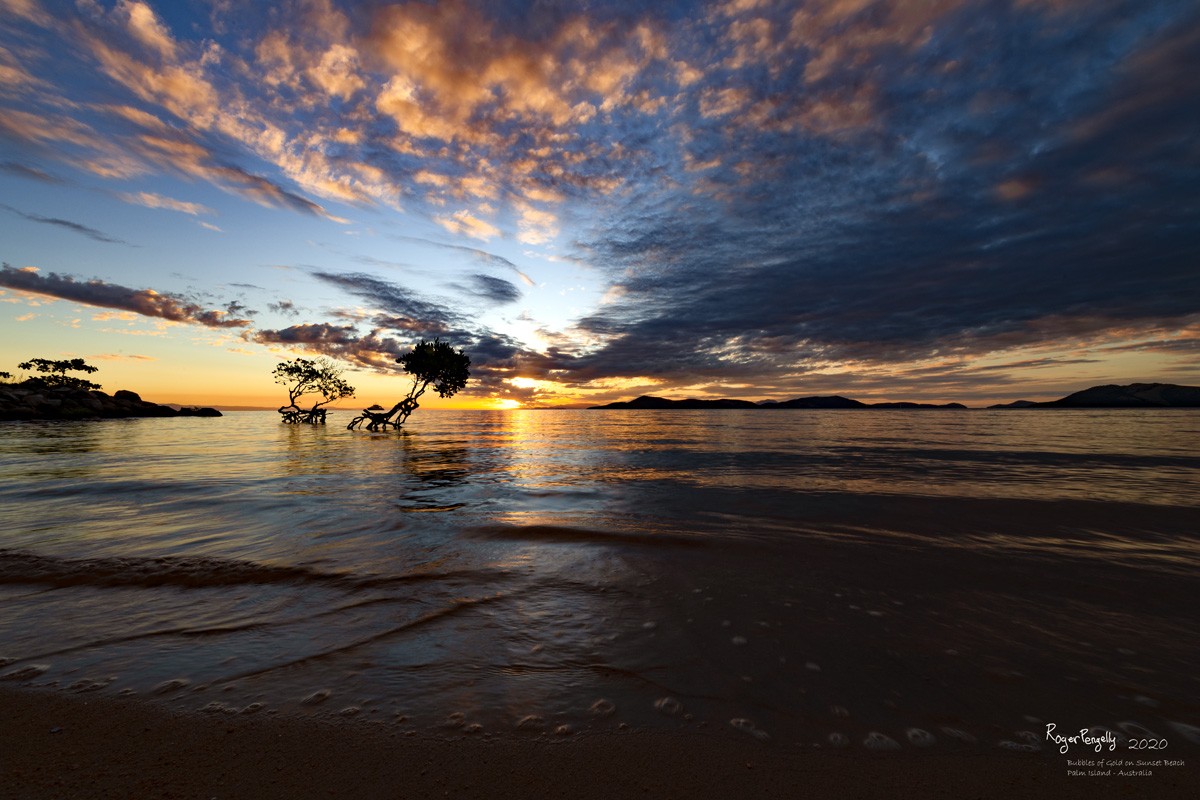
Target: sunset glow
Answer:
pixel 759 199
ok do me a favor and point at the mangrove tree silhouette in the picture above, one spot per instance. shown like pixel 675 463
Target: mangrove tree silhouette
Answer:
pixel 303 376
pixel 433 363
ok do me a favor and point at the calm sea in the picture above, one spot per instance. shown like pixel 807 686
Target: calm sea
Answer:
pixel 844 579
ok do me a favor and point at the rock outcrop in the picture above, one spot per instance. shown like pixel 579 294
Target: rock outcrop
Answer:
pixel 24 401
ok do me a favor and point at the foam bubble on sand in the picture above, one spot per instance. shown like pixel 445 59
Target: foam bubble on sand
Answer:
pixel 738 640
pixel 1030 738
pixel 26 673
pixel 253 708
pixel 1017 747
pixel 173 685
pixel 216 707
pixel 474 727
pixel 839 739
pixel 649 625
pixel 1188 732
pixel 1135 730
pixel 90 684
pixel 841 712
pixel 563 730
pixel 1149 702
pixel 537 648
pixel 316 698
pixel 725 623
pixel 668 705
pixel 350 711
pixel 531 721
pixel 455 719
pixel 747 726
pixel 603 707
pixel 919 737
pixel 812 666
pixel 877 741
pixel 959 735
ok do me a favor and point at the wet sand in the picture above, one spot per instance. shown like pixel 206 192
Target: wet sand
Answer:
pixel 56 746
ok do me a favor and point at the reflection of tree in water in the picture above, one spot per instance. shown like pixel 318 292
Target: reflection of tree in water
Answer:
pixel 46 437
pixel 435 473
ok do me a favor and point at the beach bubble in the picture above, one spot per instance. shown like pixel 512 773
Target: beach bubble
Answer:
pixel 1016 747
pixel 951 652
pixel 747 726
pixel 839 740
pixel 603 707
pixel 919 737
pixel 812 666
pixel 316 698
pixel 455 719
pixel 841 712
pixel 474 727
pixel 1136 731
pixel 350 711
pixel 26 673
pixel 649 625
pixel 537 648
pixel 563 730
pixel 877 741
pixel 875 613
pixel 622 726
pixel 668 705
pixel 218 708
pixel 1149 702
pixel 725 623
pixel 1188 732
pixel 1030 718
pixel 531 721
pixel 959 735
pixel 172 685
pixel 1125 651
pixel 1030 738
pixel 738 640
pixel 253 708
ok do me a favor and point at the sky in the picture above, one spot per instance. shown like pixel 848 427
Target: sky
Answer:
pixel 932 200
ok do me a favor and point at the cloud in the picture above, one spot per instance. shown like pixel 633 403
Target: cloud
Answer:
pixel 76 227
pixel 95 292
pixel 495 289
pixel 461 222
pixel 481 256
pixel 26 171
pixel 151 200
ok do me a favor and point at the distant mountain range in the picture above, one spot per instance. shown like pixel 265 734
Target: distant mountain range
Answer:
pixel 1135 395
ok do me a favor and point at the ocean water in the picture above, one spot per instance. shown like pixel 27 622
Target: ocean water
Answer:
pixel 837 579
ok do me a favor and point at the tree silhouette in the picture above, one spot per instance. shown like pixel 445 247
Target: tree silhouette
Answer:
pixel 435 363
pixel 303 376
pixel 54 373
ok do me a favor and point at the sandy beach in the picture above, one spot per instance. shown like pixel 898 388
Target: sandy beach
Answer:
pixel 57 746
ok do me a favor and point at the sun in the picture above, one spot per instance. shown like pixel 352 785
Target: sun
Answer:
pixel 506 404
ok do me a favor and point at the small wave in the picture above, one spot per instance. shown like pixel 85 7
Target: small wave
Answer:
pixel 188 572
pixel 558 533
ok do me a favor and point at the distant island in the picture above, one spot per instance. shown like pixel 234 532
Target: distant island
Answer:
pixel 1135 395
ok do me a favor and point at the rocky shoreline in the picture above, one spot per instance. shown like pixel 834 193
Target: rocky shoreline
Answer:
pixel 24 402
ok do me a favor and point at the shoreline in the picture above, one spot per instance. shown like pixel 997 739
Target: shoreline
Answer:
pixel 56 745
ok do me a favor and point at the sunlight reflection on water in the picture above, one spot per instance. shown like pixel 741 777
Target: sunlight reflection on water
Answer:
pixel 516 563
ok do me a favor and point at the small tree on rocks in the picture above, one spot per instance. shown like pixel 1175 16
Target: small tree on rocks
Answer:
pixel 54 373
pixel 304 376
pixel 433 363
